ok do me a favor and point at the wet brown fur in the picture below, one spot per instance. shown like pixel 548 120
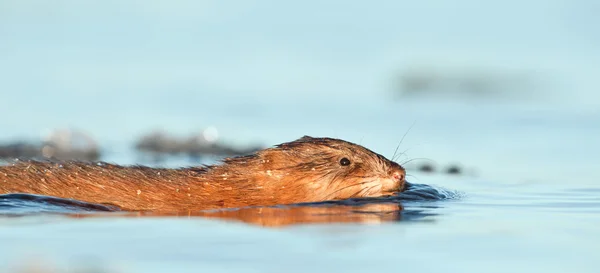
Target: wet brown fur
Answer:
pixel 304 170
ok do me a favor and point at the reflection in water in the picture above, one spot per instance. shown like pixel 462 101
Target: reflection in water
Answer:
pixel 272 216
pixel 357 210
pixel 286 215
pixel 279 216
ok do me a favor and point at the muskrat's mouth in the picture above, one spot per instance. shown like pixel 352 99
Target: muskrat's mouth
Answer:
pixel 400 189
pixel 392 192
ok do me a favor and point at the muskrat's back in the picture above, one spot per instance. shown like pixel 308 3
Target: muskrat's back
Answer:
pixel 305 170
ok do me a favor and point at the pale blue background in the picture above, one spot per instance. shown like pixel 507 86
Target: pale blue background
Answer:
pixel 272 71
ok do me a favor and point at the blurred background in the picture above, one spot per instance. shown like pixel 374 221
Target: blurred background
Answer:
pixel 505 92
pixel 485 84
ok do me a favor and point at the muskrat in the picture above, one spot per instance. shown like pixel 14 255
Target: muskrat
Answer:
pixel 305 170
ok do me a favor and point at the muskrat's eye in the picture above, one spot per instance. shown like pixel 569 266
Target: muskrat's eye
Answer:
pixel 344 161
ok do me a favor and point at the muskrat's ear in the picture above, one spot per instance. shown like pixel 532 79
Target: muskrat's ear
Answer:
pixel 305 138
pixel 295 143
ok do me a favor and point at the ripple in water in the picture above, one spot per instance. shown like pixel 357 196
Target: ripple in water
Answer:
pixel 358 210
pixel 21 203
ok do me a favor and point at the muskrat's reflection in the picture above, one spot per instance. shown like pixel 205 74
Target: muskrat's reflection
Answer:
pixel 374 213
pixel 284 216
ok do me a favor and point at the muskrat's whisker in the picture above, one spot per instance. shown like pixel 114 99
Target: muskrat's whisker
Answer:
pixel 352 185
pixel 418 158
pixel 413 176
pixel 395 151
pixel 405 151
pixel 402 139
pixel 363 190
pixel 369 189
pixel 362 176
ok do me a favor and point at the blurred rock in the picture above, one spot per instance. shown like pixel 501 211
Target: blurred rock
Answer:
pixel 453 169
pixel 159 144
pixel 463 81
pixel 426 168
pixel 69 144
pixel 59 144
pixel 19 150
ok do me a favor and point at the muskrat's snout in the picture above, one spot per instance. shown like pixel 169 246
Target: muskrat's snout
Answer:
pixel 398 175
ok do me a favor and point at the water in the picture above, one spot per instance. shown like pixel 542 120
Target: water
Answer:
pixel 531 205
pixel 271 71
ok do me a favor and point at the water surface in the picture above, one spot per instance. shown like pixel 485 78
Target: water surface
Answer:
pixel 272 71
pixel 508 211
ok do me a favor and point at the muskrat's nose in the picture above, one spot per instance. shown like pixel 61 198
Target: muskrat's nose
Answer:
pixel 398 183
pixel 399 175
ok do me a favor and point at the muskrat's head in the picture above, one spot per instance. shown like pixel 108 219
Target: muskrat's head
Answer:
pixel 317 169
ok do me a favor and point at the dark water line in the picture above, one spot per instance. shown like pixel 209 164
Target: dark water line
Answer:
pixel 15 201
pixel 20 203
